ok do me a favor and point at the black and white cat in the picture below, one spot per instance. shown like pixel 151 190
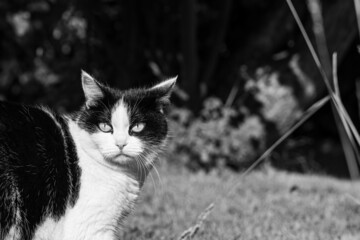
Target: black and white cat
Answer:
pixel 76 177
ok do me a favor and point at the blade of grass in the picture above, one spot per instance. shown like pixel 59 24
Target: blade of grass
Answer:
pixel 192 231
pixel 354 199
pixel 335 76
pixel 313 54
pixel 347 140
pixel 307 114
pixel 337 102
pixel 357 9
pixel 314 7
pixel 313 109
pixel 230 99
pixel 315 57
pixel 340 109
pixel 358 94
pixel 309 44
pixel 343 111
pixel 349 146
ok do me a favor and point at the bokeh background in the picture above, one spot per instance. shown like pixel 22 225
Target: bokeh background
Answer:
pixel 245 72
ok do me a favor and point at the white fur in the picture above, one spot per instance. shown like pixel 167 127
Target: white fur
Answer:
pixel 107 191
pixel 104 195
pixel 167 83
pixel 46 229
pixel 13 234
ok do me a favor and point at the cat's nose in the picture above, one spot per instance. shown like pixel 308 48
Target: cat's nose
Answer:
pixel 121 145
pixel 121 140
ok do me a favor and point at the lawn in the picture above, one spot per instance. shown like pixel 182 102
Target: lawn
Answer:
pixel 266 204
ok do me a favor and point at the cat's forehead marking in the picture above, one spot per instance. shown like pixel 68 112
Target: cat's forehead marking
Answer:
pixel 120 117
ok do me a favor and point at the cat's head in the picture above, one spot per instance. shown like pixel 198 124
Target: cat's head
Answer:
pixel 123 126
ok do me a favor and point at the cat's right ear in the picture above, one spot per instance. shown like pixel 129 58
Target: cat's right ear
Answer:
pixel 92 89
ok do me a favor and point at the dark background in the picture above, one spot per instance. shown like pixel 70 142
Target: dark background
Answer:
pixel 245 72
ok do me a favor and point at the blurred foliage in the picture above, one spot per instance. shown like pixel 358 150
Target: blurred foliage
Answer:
pixel 232 136
pixel 42 46
pixel 216 138
pixel 225 116
pixel 278 101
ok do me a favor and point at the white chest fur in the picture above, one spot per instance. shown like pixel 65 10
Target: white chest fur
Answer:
pixel 104 196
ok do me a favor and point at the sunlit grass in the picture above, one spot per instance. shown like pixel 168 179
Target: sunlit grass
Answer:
pixel 267 204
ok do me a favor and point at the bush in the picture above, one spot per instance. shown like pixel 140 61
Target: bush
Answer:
pixel 235 136
pixel 220 136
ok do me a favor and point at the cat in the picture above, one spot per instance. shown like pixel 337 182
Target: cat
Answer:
pixel 76 176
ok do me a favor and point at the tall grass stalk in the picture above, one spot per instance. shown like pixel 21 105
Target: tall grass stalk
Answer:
pixel 357 9
pixel 335 75
pixel 337 102
pixel 307 114
pixel 342 118
pixel 314 7
pixel 358 94
pixel 349 147
pixel 192 231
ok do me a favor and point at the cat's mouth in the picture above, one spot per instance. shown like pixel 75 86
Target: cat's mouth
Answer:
pixel 118 159
pixel 122 156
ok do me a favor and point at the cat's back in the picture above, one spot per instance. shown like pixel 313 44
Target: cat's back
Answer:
pixel 26 130
pixel 17 118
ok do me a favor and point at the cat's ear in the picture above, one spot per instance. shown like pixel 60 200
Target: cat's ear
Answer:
pixel 164 89
pixel 92 89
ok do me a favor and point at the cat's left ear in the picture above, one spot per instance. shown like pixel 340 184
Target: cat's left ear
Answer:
pixel 164 89
pixel 92 89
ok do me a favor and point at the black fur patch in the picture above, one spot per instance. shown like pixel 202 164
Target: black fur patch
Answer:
pixel 144 106
pixel 38 167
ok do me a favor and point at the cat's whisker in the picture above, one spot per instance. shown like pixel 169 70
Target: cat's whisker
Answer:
pixel 146 170
pixel 152 164
pixel 143 171
pixel 138 166
pixel 143 160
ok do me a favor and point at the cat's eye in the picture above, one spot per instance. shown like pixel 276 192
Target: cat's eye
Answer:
pixel 138 127
pixel 104 127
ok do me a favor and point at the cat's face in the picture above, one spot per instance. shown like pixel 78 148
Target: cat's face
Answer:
pixel 124 125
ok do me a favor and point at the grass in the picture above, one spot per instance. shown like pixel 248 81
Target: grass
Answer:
pixel 266 204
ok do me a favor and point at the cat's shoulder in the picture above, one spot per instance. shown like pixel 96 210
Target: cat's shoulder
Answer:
pixel 22 115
